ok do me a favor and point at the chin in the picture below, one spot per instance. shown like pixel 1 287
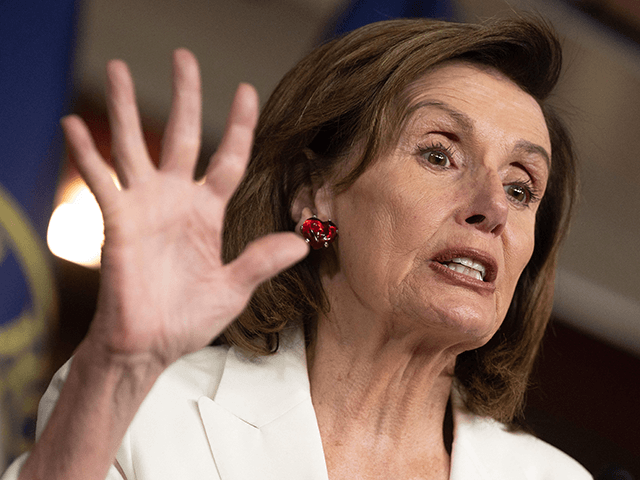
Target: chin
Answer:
pixel 473 325
pixel 446 307
pixel 464 322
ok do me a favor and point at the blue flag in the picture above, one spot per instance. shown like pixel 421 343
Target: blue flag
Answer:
pixel 36 47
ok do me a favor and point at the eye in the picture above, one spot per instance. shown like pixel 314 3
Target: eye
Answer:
pixel 439 159
pixel 517 192
pixel 436 154
pixel 521 193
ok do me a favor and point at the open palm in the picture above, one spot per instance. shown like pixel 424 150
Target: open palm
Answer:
pixel 164 290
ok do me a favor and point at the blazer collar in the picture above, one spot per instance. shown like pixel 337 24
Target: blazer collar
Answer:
pixel 483 449
pixel 465 462
pixel 261 422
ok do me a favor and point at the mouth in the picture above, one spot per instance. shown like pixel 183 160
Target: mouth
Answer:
pixel 477 267
pixel 467 266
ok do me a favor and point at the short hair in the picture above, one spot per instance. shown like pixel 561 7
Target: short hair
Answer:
pixel 346 92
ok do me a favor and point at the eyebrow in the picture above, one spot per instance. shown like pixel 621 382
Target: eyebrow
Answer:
pixel 530 147
pixel 464 122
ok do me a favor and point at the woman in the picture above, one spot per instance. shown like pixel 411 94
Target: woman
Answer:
pixel 393 350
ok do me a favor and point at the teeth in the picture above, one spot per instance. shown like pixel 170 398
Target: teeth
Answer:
pixel 467 266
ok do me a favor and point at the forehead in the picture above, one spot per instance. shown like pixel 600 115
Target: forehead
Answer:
pixel 481 98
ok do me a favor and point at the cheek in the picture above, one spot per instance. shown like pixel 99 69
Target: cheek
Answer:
pixel 518 250
pixel 518 244
pixel 527 245
pixel 384 226
pixel 395 222
pixel 365 220
pixel 369 208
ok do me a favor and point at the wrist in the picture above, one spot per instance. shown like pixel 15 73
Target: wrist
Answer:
pixel 94 360
pixel 99 399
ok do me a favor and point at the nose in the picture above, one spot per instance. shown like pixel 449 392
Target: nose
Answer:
pixel 487 208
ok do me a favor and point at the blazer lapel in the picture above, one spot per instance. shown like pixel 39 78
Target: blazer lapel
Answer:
pixel 261 423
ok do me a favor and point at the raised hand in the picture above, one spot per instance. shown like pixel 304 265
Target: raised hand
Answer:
pixel 164 290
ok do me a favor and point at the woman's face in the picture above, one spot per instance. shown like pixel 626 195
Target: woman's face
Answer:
pixel 436 233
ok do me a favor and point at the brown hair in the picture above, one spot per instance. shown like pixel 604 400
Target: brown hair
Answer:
pixel 346 92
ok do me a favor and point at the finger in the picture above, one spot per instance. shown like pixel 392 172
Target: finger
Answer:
pixel 265 257
pixel 131 159
pixel 228 164
pixel 181 142
pixel 91 165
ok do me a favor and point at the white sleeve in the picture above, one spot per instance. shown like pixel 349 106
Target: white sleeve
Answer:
pixel 45 408
pixel 14 469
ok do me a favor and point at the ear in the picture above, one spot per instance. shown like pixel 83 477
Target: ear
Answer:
pixel 314 199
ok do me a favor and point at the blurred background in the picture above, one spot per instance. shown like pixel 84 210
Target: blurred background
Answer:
pixel 586 389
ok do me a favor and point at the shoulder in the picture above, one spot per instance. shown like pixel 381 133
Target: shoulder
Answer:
pixel 491 451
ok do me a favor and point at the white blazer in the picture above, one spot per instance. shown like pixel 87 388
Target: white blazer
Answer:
pixel 217 414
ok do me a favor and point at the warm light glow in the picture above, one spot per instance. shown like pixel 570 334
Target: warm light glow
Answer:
pixel 76 229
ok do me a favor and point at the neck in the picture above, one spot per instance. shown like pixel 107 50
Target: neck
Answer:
pixel 380 398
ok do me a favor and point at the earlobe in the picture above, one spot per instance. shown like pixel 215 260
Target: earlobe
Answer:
pixel 311 210
pixel 305 214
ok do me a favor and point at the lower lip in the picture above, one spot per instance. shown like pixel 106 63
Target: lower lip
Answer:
pixel 460 279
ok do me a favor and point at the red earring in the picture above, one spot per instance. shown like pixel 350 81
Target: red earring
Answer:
pixel 317 233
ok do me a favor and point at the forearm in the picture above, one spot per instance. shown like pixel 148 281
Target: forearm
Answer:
pixel 97 403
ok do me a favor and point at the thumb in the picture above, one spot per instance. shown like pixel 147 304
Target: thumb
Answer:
pixel 266 257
